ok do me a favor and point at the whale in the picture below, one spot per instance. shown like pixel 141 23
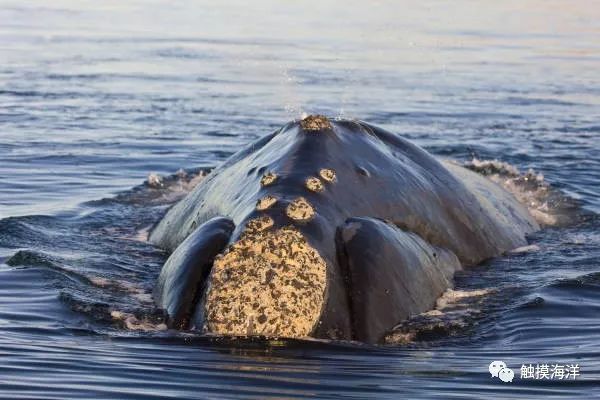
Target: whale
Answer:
pixel 327 228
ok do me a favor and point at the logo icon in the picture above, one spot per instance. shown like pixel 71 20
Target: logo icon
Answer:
pixel 499 370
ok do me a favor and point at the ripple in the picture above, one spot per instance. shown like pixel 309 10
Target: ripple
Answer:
pixel 94 102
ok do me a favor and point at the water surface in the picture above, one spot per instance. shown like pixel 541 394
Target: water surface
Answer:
pixel 96 96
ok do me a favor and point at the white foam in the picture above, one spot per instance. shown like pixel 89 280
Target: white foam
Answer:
pixel 525 249
pixel 155 180
pixel 451 297
pixel 529 188
pixel 135 291
pixel 131 322
pixel 454 308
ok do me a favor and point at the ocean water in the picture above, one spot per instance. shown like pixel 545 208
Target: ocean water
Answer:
pixel 96 96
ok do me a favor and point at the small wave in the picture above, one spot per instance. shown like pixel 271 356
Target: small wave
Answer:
pixel 589 281
pixel 132 322
pixel 525 249
pixel 454 312
pixel 183 53
pixel 120 304
pixel 29 258
pixel 103 296
pixel 158 189
pixel 530 101
pixel 166 189
pixel 96 259
pixel 548 205
pixel 135 291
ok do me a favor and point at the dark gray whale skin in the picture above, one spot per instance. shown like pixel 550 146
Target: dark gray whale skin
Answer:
pixel 392 227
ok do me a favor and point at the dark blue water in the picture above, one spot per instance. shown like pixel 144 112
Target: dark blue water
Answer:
pixel 95 97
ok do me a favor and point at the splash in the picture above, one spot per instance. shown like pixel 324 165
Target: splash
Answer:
pixel 549 206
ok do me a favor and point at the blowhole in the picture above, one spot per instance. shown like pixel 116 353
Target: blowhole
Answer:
pixel 363 171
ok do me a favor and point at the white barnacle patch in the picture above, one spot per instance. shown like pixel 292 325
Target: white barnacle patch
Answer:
pixel 268 179
pixel 300 210
pixel 327 174
pixel 314 184
pixel 315 123
pixel 269 283
pixel 258 224
pixel 266 202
